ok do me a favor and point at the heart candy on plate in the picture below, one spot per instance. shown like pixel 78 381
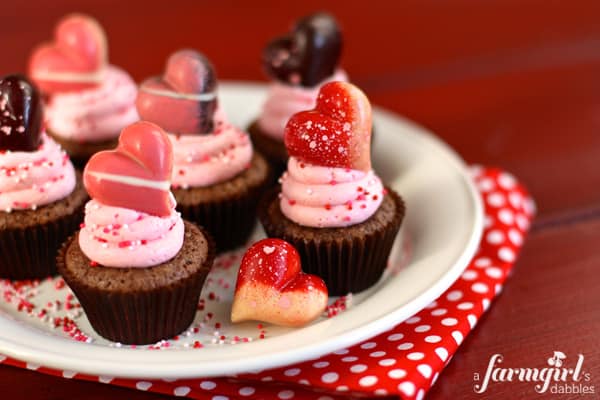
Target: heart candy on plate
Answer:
pixel 136 174
pixel 271 287
pixel 336 133
pixel 75 60
pixel 184 99
pixel 20 114
pixel 308 54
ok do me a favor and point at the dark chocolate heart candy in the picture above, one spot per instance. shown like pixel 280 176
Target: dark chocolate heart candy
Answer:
pixel 20 114
pixel 308 54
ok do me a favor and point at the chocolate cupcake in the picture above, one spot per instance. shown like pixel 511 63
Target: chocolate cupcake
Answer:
pixel 88 100
pixel 217 177
pixel 332 206
pixel 299 63
pixel 41 196
pixel 136 266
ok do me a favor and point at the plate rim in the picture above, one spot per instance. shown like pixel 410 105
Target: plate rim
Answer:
pixel 189 368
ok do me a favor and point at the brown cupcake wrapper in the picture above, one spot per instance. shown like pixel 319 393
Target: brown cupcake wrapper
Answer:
pixel 141 317
pixel 30 253
pixel 346 265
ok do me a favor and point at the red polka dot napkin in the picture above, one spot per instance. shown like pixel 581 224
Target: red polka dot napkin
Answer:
pixel 404 361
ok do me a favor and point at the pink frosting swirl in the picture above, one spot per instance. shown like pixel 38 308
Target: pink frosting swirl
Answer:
pixel 327 197
pixel 36 178
pixel 285 100
pixel 96 114
pixel 122 237
pixel 203 160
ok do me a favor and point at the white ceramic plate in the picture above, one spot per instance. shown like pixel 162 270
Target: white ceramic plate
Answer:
pixel 440 235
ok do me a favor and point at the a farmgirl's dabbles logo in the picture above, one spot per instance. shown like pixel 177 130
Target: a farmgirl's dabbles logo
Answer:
pixel 558 377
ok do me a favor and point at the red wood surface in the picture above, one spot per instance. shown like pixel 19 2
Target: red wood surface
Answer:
pixel 513 83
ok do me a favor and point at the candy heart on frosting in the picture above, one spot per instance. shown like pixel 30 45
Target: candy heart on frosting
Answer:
pixel 271 287
pixel 308 54
pixel 184 99
pixel 20 114
pixel 336 133
pixel 136 174
pixel 75 60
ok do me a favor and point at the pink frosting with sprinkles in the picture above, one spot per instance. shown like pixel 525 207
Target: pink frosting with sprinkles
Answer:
pixel 96 114
pixel 328 197
pixel 36 178
pixel 285 100
pixel 123 237
pixel 203 160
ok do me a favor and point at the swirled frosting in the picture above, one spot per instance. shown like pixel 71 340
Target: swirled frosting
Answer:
pixel 285 100
pixel 203 160
pixel 122 237
pixel 32 179
pixel 97 114
pixel 328 197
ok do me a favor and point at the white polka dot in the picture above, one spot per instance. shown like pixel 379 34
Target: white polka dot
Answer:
pixel 529 206
pixel 292 372
pixel 105 379
pixel 330 377
pixel 415 356
pixel 454 295
pixel 496 199
pixel 32 366
pixel 442 353
pixel 321 364
pixel 341 352
pixel 498 288
pixel 483 262
pixel 458 337
pixel 433 339
pixel 425 370
pixel 507 181
pixel 465 306
pixel 405 346
pixel 408 388
pixel 380 392
pixel 266 378
pixel 431 305
pixel 522 222
pixel 69 374
pixel 366 381
pixel 479 287
pixel 422 328
pixel 303 382
pixel 220 398
pixel 493 272
pixel 358 368
pixel 342 388
pixel 487 221
pixel 208 385
pixel 506 216
pixel 181 391
pixel 387 362
pixel 515 237
pixel 485 303
pixel 472 320
pixel 376 354
pixel 143 385
pixel 247 391
pixel 506 254
pixel 285 394
pixel 349 359
pixel 439 311
pixel 413 320
pixel 420 394
pixel 449 321
pixel 495 237
pixel 515 199
pixel 397 373
pixel 368 345
pixel 469 275
pixel 485 185
pixel 395 337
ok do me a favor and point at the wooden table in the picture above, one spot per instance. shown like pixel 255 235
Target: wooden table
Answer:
pixel 513 83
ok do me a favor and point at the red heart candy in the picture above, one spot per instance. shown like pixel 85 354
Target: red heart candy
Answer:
pixel 271 287
pixel 184 99
pixel 336 133
pixel 136 174
pixel 76 58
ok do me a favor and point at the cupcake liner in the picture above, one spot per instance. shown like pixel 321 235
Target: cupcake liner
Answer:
pixel 140 316
pixel 30 252
pixel 346 264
